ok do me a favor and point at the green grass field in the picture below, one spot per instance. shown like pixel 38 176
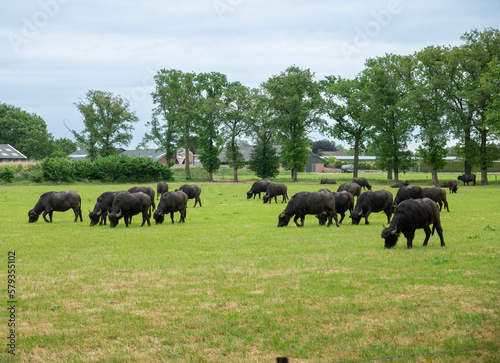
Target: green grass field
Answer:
pixel 228 285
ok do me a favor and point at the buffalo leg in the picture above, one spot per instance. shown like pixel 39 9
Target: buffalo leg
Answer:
pixel 439 230
pixel 172 216
pixel 427 235
pixel 183 215
pixel 342 215
pixel 367 214
pixel 295 219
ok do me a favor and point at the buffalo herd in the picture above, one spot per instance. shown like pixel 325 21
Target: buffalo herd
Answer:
pixel 413 207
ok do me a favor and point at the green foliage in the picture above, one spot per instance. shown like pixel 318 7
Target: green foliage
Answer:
pixel 57 169
pixel 264 161
pixel 7 173
pixel 24 131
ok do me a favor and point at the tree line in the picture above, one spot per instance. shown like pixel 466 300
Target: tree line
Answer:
pixel 428 97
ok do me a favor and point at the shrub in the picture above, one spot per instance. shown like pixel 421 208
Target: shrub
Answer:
pixel 7 173
pixel 56 169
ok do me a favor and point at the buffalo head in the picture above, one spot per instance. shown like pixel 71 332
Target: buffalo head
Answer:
pixel 356 216
pixel 113 218
pixel 283 220
pixel 33 216
pixel 94 217
pixel 390 235
pixel 159 216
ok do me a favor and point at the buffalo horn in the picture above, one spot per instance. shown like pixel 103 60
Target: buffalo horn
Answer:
pixel 119 214
pixel 395 230
pixel 99 213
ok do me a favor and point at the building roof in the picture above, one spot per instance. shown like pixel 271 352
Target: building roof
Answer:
pixel 360 158
pixel 246 151
pixel 8 152
pixel 148 153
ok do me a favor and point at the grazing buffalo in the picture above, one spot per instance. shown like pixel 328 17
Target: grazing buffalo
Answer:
pixel 171 202
pixel 304 203
pixel 327 181
pixel 161 188
pixel 260 186
pixel 146 190
pixel 192 191
pixel 400 184
pixel 102 207
pixel 450 184
pixel 372 201
pixel 404 193
pixel 362 182
pixel 273 190
pixel 410 215
pixel 438 195
pixel 467 178
pixel 344 201
pixel 352 188
pixel 58 202
pixel 126 205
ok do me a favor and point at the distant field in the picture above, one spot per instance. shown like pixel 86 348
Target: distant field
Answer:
pixel 228 285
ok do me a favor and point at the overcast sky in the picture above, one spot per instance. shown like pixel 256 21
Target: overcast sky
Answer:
pixel 53 51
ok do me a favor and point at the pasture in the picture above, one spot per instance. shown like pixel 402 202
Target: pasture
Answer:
pixel 228 285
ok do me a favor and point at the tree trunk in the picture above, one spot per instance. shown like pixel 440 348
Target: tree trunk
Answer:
pixel 186 160
pixel 210 176
pixel 434 174
pixel 235 174
pixel 294 174
pixel 356 156
pixel 467 162
pixel 389 174
pixel 483 156
pixel 396 175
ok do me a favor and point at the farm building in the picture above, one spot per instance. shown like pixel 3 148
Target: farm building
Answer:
pixel 9 154
pixel 314 164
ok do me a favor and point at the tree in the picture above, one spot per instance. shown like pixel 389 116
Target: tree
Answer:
pixel 427 103
pixel 480 49
pixel 387 92
pixel 211 87
pixel 24 131
pixel 62 147
pixel 108 123
pixel 323 145
pixel 264 160
pixel 491 82
pixel 295 100
pixel 167 124
pixel 345 104
pixel 235 110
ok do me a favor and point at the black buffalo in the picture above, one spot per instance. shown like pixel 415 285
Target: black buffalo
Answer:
pixel 304 203
pixel 192 191
pixel 352 188
pixel 126 205
pixel 102 207
pixel 451 184
pixel 467 178
pixel 171 202
pixel 400 184
pixel 410 215
pixel 273 190
pixel 344 201
pixel 372 202
pixel 58 202
pixel 161 188
pixel 260 186
pixel 327 181
pixel 438 195
pixel 404 193
pixel 146 190
pixel 362 182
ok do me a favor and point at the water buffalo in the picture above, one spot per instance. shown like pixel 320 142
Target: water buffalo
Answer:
pixel 362 182
pixel 400 184
pixel 260 186
pixel 193 192
pixel 126 205
pixel 146 190
pixel 102 207
pixel 413 192
pixel 171 202
pixel 352 188
pixel 344 201
pixel 438 195
pixel 304 203
pixel 327 181
pixel 410 215
pixel 372 201
pixel 58 202
pixel 161 188
pixel 273 190
pixel 467 178
pixel 450 184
